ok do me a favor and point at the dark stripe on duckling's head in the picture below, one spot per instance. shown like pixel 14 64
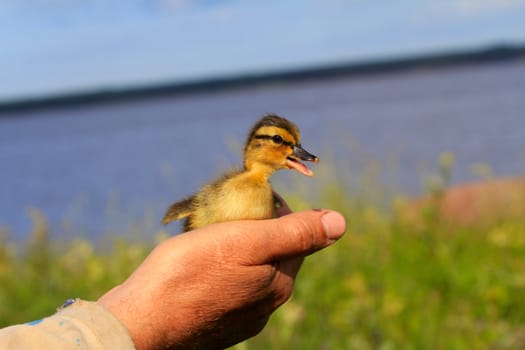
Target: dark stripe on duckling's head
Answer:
pixel 279 122
pixel 277 139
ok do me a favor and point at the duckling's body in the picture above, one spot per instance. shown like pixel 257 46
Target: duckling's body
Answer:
pixel 239 195
pixel 273 144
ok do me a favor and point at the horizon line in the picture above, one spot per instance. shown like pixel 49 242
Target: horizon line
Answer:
pixel 446 58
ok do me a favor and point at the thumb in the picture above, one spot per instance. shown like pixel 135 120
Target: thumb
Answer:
pixel 296 234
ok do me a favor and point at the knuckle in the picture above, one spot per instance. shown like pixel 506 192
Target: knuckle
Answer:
pixel 283 292
pixel 304 234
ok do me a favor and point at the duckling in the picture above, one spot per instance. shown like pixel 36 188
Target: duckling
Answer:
pixel 273 143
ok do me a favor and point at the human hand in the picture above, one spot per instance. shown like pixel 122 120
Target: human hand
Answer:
pixel 216 286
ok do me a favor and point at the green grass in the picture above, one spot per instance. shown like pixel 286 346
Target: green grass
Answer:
pixel 39 275
pixel 385 285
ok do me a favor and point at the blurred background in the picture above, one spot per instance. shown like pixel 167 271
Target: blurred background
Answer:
pixel 111 110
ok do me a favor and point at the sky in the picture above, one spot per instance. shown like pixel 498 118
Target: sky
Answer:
pixel 52 47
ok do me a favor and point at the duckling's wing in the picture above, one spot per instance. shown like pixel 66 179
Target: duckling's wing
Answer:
pixel 179 210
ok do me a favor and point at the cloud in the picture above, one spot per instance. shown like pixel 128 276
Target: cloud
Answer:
pixel 470 7
pixel 448 11
pixel 174 5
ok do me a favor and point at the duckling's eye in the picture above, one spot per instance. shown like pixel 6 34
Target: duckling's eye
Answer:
pixel 277 139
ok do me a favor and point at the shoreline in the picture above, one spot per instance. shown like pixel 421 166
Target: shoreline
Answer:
pixel 489 54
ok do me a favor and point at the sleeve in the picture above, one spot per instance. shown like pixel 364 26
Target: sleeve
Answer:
pixel 77 325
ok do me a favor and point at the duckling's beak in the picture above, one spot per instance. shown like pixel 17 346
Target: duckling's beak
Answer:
pixel 300 153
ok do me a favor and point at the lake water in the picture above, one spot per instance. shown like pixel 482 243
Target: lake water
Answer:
pixel 105 167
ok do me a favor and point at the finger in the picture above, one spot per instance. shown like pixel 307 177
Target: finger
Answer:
pixel 291 266
pixel 293 235
pixel 282 208
pixel 282 286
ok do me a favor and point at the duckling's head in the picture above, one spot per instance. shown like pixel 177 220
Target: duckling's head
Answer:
pixel 275 143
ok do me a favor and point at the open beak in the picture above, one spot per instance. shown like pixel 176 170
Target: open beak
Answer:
pixel 299 153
